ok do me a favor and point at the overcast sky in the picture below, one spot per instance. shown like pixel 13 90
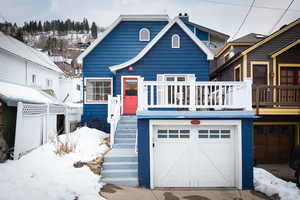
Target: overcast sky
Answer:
pixel 222 15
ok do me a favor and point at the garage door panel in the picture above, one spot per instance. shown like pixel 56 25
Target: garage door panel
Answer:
pixel 170 172
pixel 205 160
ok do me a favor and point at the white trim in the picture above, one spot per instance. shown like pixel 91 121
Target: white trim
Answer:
pixel 122 85
pixel 97 78
pixel 115 23
pixel 201 45
pixel 173 46
pixel 140 35
pixel 237 140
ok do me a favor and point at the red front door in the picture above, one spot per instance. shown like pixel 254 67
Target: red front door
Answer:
pixel 130 98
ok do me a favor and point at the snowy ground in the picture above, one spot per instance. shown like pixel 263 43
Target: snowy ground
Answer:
pixel 42 174
pixel 270 185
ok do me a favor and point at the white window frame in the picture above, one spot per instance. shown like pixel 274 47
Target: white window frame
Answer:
pixel 172 41
pixel 148 34
pixel 96 78
pixel 164 76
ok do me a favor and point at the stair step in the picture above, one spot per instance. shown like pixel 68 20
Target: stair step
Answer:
pixel 123 130
pixel 121 181
pixel 124 141
pixel 125 126
pixel 124 146
pixel 120 165
pixel 118 136
pixel 122 173
pixel 118 159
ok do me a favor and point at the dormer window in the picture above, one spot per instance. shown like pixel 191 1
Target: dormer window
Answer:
pixel 175 41
pixel 144 34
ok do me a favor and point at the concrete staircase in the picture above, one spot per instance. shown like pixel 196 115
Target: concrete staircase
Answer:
pixel 121 163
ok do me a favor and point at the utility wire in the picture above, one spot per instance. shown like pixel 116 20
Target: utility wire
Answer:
pixel 244 20
pixel 281 16
pixel 244 5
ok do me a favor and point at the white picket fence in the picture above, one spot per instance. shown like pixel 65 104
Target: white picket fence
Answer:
pixel 37 123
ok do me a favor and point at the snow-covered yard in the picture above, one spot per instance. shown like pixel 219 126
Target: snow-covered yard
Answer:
pixel 42 174
pixel 270 185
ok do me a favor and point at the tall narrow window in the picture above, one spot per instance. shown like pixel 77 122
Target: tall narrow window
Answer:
pixel 144 34
pixel 175 41
pixel 33 79
pixel 97 90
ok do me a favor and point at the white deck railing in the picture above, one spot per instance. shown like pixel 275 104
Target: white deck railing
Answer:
pixel 194 95
pixel 113 115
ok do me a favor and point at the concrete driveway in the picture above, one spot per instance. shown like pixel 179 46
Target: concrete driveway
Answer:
pixel 115 192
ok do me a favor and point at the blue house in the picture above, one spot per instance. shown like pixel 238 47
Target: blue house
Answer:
pixel 146 78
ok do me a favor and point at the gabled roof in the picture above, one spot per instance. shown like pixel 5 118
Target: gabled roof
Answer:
pixel 205 29
pixel 249 38
pixel 273 35
pixel 115 23
pixel 199 43
pixel 17 48
pixel 246 40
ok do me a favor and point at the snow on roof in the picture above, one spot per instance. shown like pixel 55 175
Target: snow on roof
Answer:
pixel 20 49
pixel 199 43
pixel 13 93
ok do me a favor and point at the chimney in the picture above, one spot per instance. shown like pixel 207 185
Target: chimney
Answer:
pixel 184 17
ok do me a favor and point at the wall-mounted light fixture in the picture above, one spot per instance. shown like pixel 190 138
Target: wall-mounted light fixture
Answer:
pixel 130 68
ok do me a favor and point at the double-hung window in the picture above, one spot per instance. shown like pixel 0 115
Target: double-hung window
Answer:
pixel 97 90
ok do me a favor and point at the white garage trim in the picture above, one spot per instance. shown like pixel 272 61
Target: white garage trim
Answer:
pixel 237 142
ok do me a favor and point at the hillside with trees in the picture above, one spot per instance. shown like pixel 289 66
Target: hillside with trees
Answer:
pixel 64 37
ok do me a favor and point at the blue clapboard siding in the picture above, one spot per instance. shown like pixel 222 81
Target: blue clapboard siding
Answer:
pixel 202 35
pixel 163 59
pixel 120 45
pixel 144 153
pixel 247 154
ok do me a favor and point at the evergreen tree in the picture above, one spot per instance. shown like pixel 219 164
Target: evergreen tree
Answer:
pixel 40 27
pixel 94 30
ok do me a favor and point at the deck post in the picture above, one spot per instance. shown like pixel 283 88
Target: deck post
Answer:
pixel 141 99
pixel 247 97
pixel 193 94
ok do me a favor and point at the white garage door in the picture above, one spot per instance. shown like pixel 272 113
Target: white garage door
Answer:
pixel 194 156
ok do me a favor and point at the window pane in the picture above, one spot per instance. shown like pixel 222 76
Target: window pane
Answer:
pixel 214 134
pixel 170 79
pixel 184 133
pixel 203 134
pixel 131 88
pixel 98 90
pixel 180 78
pixel 162 133
pixel 173 133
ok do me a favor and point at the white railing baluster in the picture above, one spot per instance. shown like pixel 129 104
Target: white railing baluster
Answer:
pixel 195 95
pixel 151 95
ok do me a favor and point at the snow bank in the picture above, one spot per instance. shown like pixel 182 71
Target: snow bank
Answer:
pixel 42 174
pixel 268 184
